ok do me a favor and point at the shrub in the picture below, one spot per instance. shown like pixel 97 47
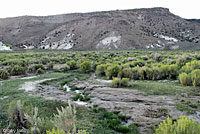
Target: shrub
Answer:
pixel 65 68
pixel 4 74
pixel 61 67
pixel 183 125
pixel 34 121
pixel 40 71
pixel 50 66
pixel 16 115
pixel 185 79
pixel 135 73
pixel 57 131
pixel 142 73
pixel 17 70
pixel 45 60
pixel 33 68
pixel 117 82
pixel 53 131
pixel 85 66
pixel 195 75
pixel 65 119
pixel 183 59
pixel 100 69
pixel 112 71
pixel 124 82
pixel 126 73
pixel 157 57
pixel 72 64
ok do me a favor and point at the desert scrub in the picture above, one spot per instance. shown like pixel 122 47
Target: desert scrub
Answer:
pixel 118 82
pixel 17 70
pixel 4 74
pixel 112 71
pixel 86 66
pixel 185 79
pixel 183 125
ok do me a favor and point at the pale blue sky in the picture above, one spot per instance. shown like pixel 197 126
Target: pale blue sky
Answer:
pixel 11 8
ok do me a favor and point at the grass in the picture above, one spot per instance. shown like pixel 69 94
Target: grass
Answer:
pixel 86 118
pixel 162 88
pixel 185 108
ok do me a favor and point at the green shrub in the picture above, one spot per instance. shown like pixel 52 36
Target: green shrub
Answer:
pixel 135 73
pixel 33 68
pixel 185 79
pixel 72 64
pixel 57 131
pixel 40 71
pixel 65 119
pixel 112 71
pixel 124 82
pixel 45 60
pixel 34 121
pixel 117 82
pixel 142 73
pixel 100 69
pixel 16 115
pixel 50 66
pixel 85 66
pixel 183 125
pixel 4 74
pixel 10 62
pixel 17 70
pixel 126 73
pixel 195 75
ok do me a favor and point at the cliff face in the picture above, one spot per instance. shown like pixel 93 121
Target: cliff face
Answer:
pixel 152 28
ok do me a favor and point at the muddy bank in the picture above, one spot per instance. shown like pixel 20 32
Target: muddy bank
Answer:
pixel 144 110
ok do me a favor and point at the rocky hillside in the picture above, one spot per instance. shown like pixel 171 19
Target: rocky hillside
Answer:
pixel 152 28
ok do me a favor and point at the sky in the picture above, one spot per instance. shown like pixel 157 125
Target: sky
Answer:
pixel 11 8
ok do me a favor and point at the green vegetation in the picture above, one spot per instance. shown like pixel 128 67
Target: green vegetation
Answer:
pixel 113 120
pixel 117 82
pixel 183 125
pixel 4 74
pixel 153 72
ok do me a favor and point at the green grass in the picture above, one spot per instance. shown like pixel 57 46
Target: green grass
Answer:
pixel 185 108
pixel 162 88
pixel 86 118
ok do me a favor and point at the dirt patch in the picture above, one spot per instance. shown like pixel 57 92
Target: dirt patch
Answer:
pixel 30 86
